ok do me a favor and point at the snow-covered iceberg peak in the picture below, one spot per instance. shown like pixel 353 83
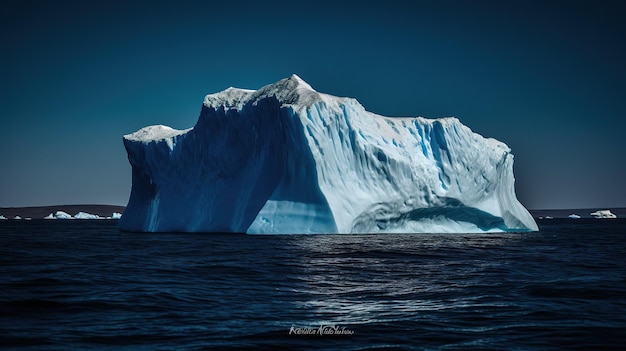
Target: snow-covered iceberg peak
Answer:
pixel 287 159
pixel 292 90
pixel 156 133
pixel 152 133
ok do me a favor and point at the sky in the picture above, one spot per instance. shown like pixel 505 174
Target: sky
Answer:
pixel 546 77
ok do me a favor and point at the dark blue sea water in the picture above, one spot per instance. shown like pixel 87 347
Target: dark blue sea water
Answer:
pixel 83 285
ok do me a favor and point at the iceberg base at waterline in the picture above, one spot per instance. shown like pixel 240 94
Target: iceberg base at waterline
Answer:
pixel 288 159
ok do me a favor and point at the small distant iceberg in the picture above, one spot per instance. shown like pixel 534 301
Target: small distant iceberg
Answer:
pixel 85 215
pixel 81 215
pixel 17 217
pixel 2 217
pixel 603 214
pixel 61 215
pixel 573 216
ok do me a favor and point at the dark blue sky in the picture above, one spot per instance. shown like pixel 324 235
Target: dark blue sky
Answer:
pixel 545 77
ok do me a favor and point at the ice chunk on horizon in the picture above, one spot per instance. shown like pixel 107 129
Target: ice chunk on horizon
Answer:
pixel 62 215
pixel 603 214
pixel 85 215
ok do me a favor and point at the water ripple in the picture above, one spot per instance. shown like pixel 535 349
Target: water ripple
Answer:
pixel 87 286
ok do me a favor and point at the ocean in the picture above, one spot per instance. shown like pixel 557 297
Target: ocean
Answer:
pixel 84 285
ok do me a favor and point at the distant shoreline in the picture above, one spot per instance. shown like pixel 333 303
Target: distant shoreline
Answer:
pixel 39 212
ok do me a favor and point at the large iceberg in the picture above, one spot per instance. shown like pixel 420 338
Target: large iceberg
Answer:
pixel 288 159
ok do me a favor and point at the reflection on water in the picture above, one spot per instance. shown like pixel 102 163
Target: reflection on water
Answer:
pixel 359 279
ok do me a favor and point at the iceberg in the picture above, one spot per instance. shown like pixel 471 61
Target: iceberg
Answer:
pixel 80 215
pixel 603 214
pixel 85 215
pixel 2 217
pixel 288 159
pixel 62 215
